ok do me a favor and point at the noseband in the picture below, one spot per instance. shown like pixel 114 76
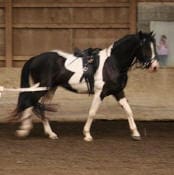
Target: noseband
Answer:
pixel 148 63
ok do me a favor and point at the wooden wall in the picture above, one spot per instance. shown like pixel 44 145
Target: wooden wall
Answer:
pixel 156 1
pixel 28 27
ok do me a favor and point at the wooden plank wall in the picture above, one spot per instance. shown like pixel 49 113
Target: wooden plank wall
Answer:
pixel 29 27
pixel 2 33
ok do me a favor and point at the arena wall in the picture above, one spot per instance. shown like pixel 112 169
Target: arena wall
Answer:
pixel 28 27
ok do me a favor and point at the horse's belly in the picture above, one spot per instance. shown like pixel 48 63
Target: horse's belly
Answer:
pixel 75 83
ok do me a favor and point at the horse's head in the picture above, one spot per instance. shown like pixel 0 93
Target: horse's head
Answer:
pixel 147 55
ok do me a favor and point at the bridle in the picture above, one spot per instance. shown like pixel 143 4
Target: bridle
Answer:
pixel 145 64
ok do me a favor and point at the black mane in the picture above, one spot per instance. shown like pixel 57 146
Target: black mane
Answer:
pixel 123 51
pixel 121 41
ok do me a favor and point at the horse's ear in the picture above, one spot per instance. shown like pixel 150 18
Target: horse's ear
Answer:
pixel 152 34
pixel 140 33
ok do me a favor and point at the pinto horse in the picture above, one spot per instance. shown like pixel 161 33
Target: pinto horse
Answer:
pixel 58 68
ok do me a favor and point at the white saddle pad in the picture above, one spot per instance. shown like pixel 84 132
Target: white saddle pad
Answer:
pixel 72 62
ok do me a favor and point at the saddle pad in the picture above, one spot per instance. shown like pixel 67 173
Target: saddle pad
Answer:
pixel 72 63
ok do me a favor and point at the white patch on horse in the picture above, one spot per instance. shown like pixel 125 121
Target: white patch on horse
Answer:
pixel 153 50
pixel 74 64
pixel 103 54
pixel 155 63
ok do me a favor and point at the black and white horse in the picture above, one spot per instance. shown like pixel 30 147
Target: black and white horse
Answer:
pixel 58 68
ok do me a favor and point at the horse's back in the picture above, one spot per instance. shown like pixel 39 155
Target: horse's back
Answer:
pixel 44 60
pixel 46 68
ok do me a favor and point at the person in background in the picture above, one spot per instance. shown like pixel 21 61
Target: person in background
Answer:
pixel 162 49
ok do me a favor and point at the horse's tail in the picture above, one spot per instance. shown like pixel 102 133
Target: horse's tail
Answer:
pixel 25 74
pixel 24 97
pixel 29 99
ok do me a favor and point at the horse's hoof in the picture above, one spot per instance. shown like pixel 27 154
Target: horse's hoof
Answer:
pixel 88 139
pixel 136 138
pixel 21 133
pixel 53 136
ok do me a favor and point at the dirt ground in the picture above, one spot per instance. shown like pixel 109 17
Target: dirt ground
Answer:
pixel 112 152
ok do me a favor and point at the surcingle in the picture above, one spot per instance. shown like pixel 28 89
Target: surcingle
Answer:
pixel 90 59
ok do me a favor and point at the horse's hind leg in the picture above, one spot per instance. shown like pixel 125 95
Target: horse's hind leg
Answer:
pixel 26 123
pixel 45 122
pixel 92 112
pixel 48 130
pixel 49 96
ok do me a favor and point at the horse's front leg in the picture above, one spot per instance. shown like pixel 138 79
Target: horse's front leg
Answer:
pixel 92 112
pixel 132 125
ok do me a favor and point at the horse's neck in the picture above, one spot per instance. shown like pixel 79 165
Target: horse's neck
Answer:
pixel 124 53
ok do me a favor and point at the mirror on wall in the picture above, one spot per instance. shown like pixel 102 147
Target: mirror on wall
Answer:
pixel 165 41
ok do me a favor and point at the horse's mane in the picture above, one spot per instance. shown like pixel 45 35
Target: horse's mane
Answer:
pixel 122 40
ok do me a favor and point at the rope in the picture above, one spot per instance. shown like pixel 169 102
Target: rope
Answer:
pixel 23 89
pixel 30 89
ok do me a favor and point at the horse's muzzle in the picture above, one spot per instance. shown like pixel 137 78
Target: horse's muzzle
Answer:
pixel 154 66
